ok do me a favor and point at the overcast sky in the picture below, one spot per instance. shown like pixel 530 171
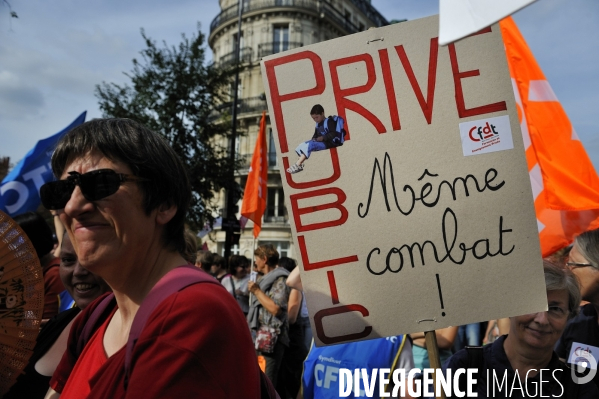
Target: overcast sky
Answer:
pixel 54 54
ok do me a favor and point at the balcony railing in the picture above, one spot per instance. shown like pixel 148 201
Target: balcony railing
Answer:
pixel 276 219
pixel 245 56
pixel 251 105
pixel 246 160
pixel 321 7
pixel 248 105
pixel 265 49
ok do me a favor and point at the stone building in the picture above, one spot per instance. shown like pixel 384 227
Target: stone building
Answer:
pixel 269 27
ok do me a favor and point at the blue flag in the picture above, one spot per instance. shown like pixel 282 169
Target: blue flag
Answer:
pixel 20 189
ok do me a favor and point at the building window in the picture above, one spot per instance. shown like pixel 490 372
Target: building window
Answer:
pixel 280 38
pixel 272 150
pixel 235 42
pixel 232 90
pixel 275 206
pixel 234 249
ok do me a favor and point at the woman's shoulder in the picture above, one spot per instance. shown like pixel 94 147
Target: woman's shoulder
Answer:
pixel 196 316
pixel 470 357
pixel 208 302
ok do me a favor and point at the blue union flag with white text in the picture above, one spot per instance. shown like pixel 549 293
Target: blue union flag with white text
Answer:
pixel 19 191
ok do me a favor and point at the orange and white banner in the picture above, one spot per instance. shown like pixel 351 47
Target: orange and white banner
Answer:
pixel 254 196
pixel 564 182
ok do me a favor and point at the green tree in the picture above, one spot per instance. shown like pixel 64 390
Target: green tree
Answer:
pixel 174 92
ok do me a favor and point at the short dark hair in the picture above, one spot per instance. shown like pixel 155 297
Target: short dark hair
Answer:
pixel 37 230
pixel 236 261
pixel 147 154
pixel 287 263
pixel 219 261
pixel 204 257
pixel 317 110
pixel 269 252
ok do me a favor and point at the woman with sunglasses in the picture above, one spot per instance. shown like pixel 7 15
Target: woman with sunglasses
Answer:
pixel 122 195
pixel 581 336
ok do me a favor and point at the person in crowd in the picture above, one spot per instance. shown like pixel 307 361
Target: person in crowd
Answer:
pixel 325 136
pixel 391 352
pixel 294 281
pixel 204 260
pixel 191 246
pixel 528 348
pixel 583 330
pixel 40 235
pixel 445 339
pixel 268 310
pixel 495 329
pixel 290 374
pixel 468 335
pixel 236 282
pixel 122 195
pixel 51 342
pixel 218 269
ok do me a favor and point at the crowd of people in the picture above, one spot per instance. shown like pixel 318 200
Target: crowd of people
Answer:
pixel 134 310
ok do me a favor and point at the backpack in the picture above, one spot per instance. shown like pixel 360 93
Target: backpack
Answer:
pixel 174 281
pixel 340 138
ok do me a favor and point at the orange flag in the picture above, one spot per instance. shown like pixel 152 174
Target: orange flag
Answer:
pixel 254 195
pixel 564 183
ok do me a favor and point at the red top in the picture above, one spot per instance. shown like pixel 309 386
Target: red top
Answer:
pixel 92 358
pixel 196 343
pixel 52 287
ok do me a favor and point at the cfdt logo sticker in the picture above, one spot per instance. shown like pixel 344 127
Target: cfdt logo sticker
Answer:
pixel 583 363
pixel 486 135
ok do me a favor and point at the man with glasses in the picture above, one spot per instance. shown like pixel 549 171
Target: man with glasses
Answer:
pixel 122 194
pixel 581 336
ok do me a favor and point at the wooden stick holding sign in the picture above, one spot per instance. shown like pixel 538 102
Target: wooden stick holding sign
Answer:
pixel 432 348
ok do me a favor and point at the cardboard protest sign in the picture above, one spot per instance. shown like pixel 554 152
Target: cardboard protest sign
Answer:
pixel 423 218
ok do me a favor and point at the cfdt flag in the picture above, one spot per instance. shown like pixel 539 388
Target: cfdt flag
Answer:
pixel 19 191
pixel 254 195
pixel 564 183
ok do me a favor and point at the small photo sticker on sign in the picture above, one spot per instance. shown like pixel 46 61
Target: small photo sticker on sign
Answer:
pixel 486 135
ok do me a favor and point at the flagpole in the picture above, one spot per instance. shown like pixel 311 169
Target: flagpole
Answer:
pixel 253 249
pixel 252 267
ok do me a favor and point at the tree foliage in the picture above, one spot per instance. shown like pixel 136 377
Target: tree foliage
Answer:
pixel 175 93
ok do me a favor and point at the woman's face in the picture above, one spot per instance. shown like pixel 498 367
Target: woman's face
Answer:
pixel 241 271
pixel 587 275
pixel 215 269
pixel 112 232
pixel 260 264
pixel 542 330
pixel 83 286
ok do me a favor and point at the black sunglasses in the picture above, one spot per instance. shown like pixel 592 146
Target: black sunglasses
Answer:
pixel 94 186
